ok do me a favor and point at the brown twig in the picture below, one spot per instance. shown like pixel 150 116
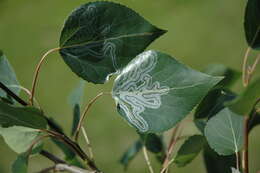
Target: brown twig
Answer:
pixel 85 114
pixel 37 70
pixel 172 143
pixel 244 67
pixel 75 147
pixel 245 150
pixel 13 95
pixel 51 157
pixel 147 160
pixel 91 155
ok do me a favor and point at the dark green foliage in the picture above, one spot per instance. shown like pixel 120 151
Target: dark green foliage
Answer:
pixel 218 164
pixel 21 116
pixel 213 103
pixel 252 23
pixel 189 150
pixel 100 38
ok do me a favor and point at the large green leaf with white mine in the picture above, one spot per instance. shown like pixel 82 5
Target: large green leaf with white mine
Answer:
pixel 99 38
pixel 154 91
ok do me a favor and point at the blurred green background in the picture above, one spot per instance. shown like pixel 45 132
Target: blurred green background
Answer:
pixel 199 32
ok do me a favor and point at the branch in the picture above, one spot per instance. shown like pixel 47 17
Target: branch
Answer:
pixel 37 70
pixel 51 157
pixel 64 167
pixel 13 95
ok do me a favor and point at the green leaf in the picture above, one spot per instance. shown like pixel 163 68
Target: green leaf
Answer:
pixel 152 142
pixel 218 164
pixel 75 100
pixel 189 150
pixel 99 38
pixel 131 152
pixel 154 91
pixel 21 116
pixel 20 165
pixel 7 76
pixel 252 23
pixel 245 102
pixel 213 103
pixel 19 138
pixel 231 75
pixel 224 132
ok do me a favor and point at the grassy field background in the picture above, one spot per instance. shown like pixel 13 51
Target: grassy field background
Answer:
pixel 200 32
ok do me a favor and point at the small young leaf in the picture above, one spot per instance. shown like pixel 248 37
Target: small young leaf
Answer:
pixel 21 116
pixel 189 150
pixel 230 75
pixel 131 153
pixel 19 138
pixel 75 100
pixel 7 76
pixel 99 38
pixel 20 165
pixel 224 132
pixel 218 164
pixel 245 102
pixel 154 91
pixel 252 23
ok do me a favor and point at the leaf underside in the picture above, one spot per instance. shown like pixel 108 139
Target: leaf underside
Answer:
pixel 224 132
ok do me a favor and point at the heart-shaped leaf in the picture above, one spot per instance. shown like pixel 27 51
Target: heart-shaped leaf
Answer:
pixel 224 132
pixel 252 23
pixel 19 138
pixel 99 38
pixel 21 116
pixel 154 91
pixel 7 76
